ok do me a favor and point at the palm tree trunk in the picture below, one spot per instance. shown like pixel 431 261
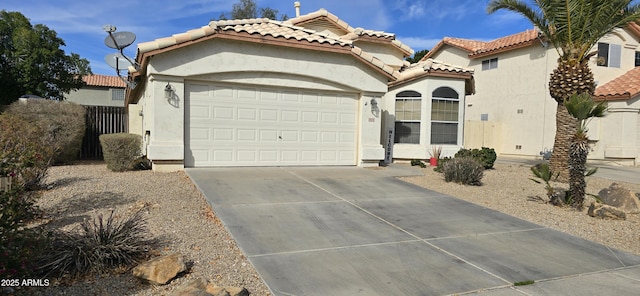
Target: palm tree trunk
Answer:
pixel 579 150
pixel 566 128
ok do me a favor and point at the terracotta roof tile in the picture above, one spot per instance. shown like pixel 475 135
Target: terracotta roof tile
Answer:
pixel 351 31
pixel 103 80
pixel 265 27
pixel 429 66
pixel 624 87
pixel 477 48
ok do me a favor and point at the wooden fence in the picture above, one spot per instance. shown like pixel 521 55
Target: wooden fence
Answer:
pixel 101 120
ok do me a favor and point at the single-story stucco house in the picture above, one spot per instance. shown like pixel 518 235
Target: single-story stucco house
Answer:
pixel 99 90
pixel 307 91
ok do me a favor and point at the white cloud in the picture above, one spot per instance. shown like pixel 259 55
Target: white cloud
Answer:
pixel 418 43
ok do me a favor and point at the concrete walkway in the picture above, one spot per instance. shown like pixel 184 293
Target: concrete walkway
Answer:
pixel 353 231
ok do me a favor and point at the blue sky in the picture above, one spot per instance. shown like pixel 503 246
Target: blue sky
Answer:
pixel 420 24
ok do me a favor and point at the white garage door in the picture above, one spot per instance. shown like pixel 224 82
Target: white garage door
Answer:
pixel 237 126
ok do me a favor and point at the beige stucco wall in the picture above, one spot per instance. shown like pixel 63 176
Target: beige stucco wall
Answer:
pixel 425 87
pixel 93 96
pixel 252 64
pixel 516 102
pixel 629 45
pixel 516 99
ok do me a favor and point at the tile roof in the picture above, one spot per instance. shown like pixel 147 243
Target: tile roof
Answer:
pixel 623 87
pixel 264 27
pixel 103 80
pixel 431 67
pixel 478 48
pixel 353 33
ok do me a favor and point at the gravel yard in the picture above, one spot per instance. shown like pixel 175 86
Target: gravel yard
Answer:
pixel 507 188
pixel 176 213
pixel 179 215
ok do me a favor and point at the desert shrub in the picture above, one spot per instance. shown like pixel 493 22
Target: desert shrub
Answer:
pixel 441 163
pixel 26 152
pixel 98 245
pixel 417 162
pixel 19 246
pixel 463 170
pixel 63 121
pixel 485 156
pixel 121 150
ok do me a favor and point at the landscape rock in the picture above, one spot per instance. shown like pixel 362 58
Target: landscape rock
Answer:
pixel 200 287
pixel 606 212
pixel 162 269
pixel 227 291
pixel 196 287
pixel 621 198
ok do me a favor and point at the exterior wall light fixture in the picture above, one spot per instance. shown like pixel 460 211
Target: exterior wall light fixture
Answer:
pixel 168 92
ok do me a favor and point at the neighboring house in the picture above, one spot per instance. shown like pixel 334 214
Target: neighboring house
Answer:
pixel 307 91
pixel 512 110
pixel 100 90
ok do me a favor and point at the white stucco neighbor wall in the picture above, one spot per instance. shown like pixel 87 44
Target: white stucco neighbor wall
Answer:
pixel 515 96
pixel 623 145
pixel 629 45
pixel 251 64
pixel 425 87
pixel 94 96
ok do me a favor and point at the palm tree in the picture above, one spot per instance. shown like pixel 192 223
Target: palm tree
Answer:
pixel 573 27
pixel 583 109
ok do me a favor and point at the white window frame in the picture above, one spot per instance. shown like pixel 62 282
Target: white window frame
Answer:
pixel 609 55
pixel 490 64
pixel 456 123
pixel 397 134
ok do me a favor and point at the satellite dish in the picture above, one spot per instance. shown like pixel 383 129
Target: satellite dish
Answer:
pixel 119 40
pixel 117 61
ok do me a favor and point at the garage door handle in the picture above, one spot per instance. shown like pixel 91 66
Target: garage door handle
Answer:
pixel 280 137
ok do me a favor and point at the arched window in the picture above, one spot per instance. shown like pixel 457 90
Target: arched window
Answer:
pixel 408 113
pixel 445 106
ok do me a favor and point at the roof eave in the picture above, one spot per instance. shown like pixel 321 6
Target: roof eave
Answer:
pixel 503 49
pixel 433 73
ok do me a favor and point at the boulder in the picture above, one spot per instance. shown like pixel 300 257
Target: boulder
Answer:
pixel 606 212
pixel 227 291
pixel 195 287
pixel 621 198
pixel 161 270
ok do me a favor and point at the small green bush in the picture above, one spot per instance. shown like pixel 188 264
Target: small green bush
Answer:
pixel 26 152
pixel 99 245
pixel 63 121
pixel 121 150
pixel 463 170
pixel 485 156
pixel 417 162
pixel 441 163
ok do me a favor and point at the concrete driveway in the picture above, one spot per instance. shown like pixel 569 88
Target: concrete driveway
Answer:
pixel 354 231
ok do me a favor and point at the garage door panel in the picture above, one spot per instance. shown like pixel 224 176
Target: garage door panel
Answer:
pixel 222 134
pixel 247 155
pixel 246 135
pixel 247 114
pixel 269 115
pixel 289 136
pixel 268 135
pixel 223 113
pixel 200 134
pixel 289 115
pixel 266 127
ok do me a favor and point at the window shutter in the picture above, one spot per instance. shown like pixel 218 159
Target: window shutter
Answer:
pixel 615 53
